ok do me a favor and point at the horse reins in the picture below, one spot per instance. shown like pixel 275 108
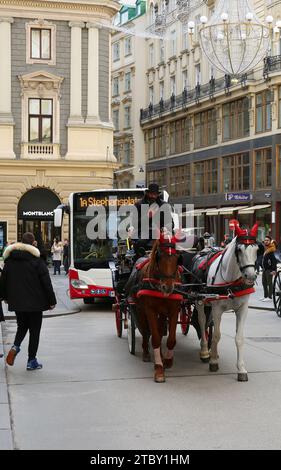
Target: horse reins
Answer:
pixel 242 240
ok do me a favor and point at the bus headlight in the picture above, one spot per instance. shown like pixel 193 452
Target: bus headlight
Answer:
pixel 77 284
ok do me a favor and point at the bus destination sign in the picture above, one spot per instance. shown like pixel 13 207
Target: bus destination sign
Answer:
pixel 83 202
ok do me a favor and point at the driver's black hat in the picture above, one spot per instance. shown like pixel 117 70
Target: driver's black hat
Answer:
pixel 153 188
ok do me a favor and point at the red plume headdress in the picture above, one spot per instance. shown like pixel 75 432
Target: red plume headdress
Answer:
pixel 245 236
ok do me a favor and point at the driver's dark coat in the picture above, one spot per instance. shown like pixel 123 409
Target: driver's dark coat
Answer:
pixel 137 223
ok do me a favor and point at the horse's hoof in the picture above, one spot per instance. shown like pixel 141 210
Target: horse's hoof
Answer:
pixel 159 375
pixel 205 359
pixel 242 377
pixel 168 363
pixel 213 367
pixel 146 357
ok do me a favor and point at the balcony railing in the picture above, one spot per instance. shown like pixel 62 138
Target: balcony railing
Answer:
pixel 40 150
pixel 271 64
pixel 188 97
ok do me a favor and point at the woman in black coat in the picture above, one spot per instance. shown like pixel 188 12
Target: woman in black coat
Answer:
pixel 26 286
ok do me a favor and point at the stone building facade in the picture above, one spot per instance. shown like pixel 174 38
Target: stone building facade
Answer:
pixel 209 140
pixel 56 132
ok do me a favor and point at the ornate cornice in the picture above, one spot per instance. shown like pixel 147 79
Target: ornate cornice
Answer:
pixel 41 81
pixel 110 7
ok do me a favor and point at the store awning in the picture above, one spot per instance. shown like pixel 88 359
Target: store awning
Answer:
pixel 252 209
pixel 224 210
pixel 194 212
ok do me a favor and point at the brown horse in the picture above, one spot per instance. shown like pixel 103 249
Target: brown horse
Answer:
pixel 157 304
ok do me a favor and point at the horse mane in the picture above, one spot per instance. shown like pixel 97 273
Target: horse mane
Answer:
pixel 152 260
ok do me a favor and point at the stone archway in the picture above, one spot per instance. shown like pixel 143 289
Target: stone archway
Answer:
pixel 35 214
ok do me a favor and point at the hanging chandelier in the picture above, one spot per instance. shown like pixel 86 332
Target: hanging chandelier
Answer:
pixel 234 39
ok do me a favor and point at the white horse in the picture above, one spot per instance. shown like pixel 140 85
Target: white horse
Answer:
pixel 234 272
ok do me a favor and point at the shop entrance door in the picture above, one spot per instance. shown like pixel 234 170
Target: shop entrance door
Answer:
pixel 44 232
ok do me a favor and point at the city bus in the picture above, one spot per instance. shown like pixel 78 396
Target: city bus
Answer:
pixel 93 261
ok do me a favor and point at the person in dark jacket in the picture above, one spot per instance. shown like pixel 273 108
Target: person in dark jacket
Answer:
pixel 66 256
pixel 269 266
pixel 26 286
pixel 259 257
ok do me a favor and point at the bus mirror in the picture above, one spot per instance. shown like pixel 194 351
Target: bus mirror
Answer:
pixel 165 196
pixel 58 217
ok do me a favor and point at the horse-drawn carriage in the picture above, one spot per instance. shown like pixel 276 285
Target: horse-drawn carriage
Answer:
pixel 166 293
pixel 125 315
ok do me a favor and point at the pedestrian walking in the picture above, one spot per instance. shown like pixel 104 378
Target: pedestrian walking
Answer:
pixel 66 256
pixel 56 251
pixel 259 257
pixel 26 286
pixel 269 266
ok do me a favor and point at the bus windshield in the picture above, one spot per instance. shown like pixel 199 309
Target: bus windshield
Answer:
pixel 89 251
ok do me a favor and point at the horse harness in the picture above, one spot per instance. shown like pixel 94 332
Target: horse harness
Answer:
pixel 151 285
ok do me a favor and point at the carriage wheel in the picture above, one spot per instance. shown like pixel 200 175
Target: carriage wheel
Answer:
pixel 185 317
pixel 131 331
pixel 277 294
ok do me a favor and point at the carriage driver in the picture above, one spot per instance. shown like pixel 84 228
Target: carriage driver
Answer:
pixel 148 206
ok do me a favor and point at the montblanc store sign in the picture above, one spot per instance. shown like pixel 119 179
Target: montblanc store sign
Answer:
pixel 37 213
pixel 38 203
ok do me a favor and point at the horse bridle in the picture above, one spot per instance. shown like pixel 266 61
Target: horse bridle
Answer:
pixel 242 240
pixel 246 241
pixel 161 276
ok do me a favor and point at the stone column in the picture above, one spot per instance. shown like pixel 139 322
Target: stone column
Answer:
pixel 76 73
pixel 5 66
pixel 93 74
pixel 6 118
